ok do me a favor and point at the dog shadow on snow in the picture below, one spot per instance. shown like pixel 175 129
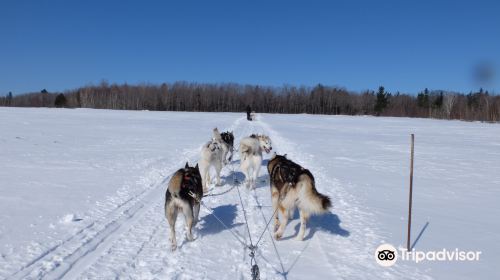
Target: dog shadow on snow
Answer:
pixel 262 180
pixel 328 222
pixel 226 213
pixel 237 162
pixel 237 175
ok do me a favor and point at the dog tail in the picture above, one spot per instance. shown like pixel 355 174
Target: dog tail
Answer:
pixel 244 151
pixel 216 134
pixel 318 203
pixel 325 201
pixel 314 202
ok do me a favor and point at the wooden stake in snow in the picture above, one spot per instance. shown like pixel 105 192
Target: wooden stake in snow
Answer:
pixel 411 192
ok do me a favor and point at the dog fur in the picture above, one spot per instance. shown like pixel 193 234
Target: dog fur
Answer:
pixel 177 199
pixel 211 156
pixel 225 140
pixel 293 186
pixel 228 138
pixel 251 156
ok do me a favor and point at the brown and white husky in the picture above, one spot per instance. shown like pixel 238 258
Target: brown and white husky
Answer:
pixel 293 186
pixel 184 182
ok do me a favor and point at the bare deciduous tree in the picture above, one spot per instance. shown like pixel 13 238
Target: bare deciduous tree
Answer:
pixel 320 99
pixel 448 102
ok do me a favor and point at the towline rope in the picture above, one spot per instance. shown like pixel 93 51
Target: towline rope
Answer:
pixel 255 273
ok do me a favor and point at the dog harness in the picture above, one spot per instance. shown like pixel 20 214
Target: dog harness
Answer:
pixel 288 171
pixel 188 180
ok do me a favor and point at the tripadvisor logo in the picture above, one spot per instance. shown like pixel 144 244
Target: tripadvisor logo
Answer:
pixel 386 255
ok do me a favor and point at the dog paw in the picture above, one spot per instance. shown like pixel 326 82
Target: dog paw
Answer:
pixel 278 235
pixel 173 247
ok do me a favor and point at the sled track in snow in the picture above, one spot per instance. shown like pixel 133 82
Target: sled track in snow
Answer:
pixel 72 256
pixel 87 243
pixel 139 217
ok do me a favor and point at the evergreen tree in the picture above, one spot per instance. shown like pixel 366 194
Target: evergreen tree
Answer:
pixel 382 100
pixel 45 97
pixel 438 102
pixel 60 101
pixel 423 99
pixel 9 99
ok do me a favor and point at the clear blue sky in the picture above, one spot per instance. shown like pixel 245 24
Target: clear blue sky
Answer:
pixel 403 45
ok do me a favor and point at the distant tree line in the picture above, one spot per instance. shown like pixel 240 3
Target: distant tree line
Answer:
pixel 183 96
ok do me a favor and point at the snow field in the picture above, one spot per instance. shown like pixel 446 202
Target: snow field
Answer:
pixel 100 179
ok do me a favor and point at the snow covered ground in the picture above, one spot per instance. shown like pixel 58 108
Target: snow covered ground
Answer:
pixel 81 196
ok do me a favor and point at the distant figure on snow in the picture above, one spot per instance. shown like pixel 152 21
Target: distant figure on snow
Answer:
pixel 249 112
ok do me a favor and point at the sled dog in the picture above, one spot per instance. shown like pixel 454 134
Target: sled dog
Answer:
pixel 226 140
pixel 177 198
pixel 251 156
pixel 293 186
pixel 211 156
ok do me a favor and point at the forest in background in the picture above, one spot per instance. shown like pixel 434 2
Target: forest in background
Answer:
pixel 227 97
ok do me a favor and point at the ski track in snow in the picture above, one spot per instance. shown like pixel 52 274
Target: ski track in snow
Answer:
pixel 131 241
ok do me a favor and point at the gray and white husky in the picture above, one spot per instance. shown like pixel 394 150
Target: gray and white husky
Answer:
pixel 211 156
pixel 293 186
pixel 251 156
pixel 184 182
pixel 226 141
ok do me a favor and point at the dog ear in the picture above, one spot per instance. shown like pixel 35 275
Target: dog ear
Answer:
pixel 284 155
pixel 196 167
pixel 187 165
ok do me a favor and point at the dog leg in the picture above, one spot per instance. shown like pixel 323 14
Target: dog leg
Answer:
pixel 290 213
pixel 196 212
pixel 218 168
pixel 257 161
pixel 275 197
pixel 244 167
pixel 279 233
pixel 304 216
pixel 172 217
pixel 206 180
pixel 224 155
pixel 188 214
pixel 255 174
pixel 203 174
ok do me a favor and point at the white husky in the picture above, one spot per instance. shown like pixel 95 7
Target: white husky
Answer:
pixel 251 156
pixel 211 155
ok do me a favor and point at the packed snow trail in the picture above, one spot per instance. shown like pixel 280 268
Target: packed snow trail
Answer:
pixel 131 242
